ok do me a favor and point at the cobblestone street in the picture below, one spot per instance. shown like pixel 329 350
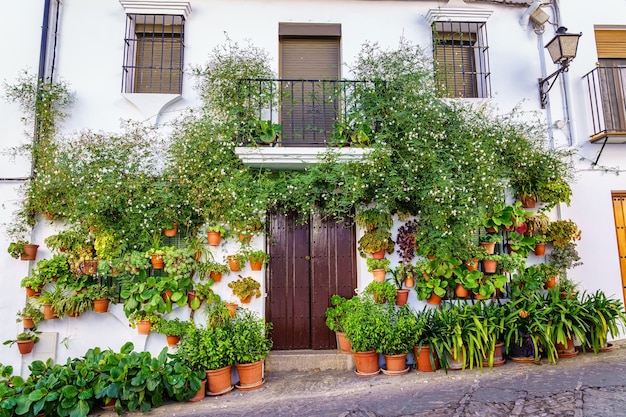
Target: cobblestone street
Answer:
pixel 587 385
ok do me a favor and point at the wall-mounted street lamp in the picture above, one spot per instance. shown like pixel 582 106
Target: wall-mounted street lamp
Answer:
pixel 562 49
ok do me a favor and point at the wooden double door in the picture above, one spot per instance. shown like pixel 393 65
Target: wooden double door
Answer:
pixel 308 263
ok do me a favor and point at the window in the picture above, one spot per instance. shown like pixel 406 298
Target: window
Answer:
pixel 461 60
pixel 153 54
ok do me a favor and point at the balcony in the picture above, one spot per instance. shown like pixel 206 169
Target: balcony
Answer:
pixel 290 123
pixel 606 87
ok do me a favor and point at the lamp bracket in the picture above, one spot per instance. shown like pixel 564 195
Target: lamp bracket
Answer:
pixel 543 94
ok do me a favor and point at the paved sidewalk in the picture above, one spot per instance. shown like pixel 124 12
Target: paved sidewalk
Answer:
pixel 587 385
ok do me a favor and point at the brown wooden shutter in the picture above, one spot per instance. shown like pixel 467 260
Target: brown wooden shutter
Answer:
pixel 307 58
pixel 611 43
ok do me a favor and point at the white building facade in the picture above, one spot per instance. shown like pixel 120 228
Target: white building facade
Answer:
pixel 85 46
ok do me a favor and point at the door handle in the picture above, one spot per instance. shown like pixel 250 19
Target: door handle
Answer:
pixel 308 258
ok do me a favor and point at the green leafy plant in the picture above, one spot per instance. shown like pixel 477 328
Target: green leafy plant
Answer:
pixel 363 323
pixel 251 337
pixel 174 327
pixel 32 334
pixel 563 232
pixel 383 292
pixel 373 264
pixel 374 218
pixel 208 348
pixel 245 287
pixel 521 244
pixel 142 315
pixel 16 249
pixel 400 328
pixel 374 241
pixel 258 255
pixel 31 311
pixel 337 312
pixel 491 238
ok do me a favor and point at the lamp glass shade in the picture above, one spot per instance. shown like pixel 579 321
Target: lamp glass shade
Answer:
pixel 562 47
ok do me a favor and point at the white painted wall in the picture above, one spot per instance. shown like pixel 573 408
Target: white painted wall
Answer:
pixel 89 57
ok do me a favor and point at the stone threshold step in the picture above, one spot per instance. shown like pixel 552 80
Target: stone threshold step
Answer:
pixel 308 360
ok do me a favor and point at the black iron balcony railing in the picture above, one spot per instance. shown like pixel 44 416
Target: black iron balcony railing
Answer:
pixel 308 112
pixel 606 87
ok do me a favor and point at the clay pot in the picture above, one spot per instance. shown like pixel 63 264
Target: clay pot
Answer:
pixel 379 274
pixel 256 265
pixel 540 249
pixel 157 261
pixel 214 238
pixel 219 381
pixel 422 358
pixel 143 327
pixel 395 363
pixel 402 297
pixel 250 375
pixel 215 276
pixel 434 299
pixel 101 305
pixel 461 291
pixel 172 231
pixel 30 252
pixel 490 247
pixel 343 343
pixel 200 394
pixel 489 266
pixel 234 264
pixel 172 340
pixel 25 346
pixel 379 255
pixel 366 362
pixel 232 308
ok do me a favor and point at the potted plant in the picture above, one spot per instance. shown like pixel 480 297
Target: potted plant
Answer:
pixel 550 274
pixel 537 223
pixel 210 349
pixel 30 316
pixel 425 350
pixel 566 321
pixel 203 292
pixel 72 303
pixel 378 268
pixel 49 298
pixel 215 234
pixel 54 269
pixel 174 329
pixel 540 244
pixel 156 252
pixel 431 290
pixel 245 288
pixel 335 316
pixel 376 242
pixel 406 241
pixel 527 335
pixel 398 279
pixel 493 319
pixel 501 215
pixel 236 261
pixel 101 295
pixel 564 258
pixel 489 285
pixel 33 284
pixel 604 316
pixel 490 263
pixel 23 250
pixel 374 218
pixel 251 344
pixel 400 328
pixel 467 281
pixel 489 240
pixel 214 270
pixel 25 341
pixel 383 292
pixel 562 232
pixel 521 244
pixel 143 321
pixel 363 328
pixel 258 259
pixel 512 262
pixel 462 337
pixel 531 279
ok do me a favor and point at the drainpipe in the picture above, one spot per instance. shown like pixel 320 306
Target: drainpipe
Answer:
pixel 526 16
pixel 43 49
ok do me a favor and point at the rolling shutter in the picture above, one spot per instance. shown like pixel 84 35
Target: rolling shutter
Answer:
pixel 611 43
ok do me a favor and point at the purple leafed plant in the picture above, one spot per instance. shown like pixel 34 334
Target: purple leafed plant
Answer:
pixel 406 241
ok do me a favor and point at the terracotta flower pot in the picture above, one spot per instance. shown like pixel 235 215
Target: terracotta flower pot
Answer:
pixel 461 291
pixel 256 265
pixel 214 238
pixel 219 381
pixel 379 255
pixel 409 282
pixel 28 322
pixel 89 267
pixel 30 292
pixel 48 312
pixel 215 276
pixel 232 309
pixel 246 300
pixel 171 232
pixel 379 274
pixel 471 264
pixel 550 283
pixel 250 375
pixel 157 261
pixel 540 249
pixel 422 358
pixel 234 264
pixel 528 200
pixel 395 363
pixel 498 356
pixel 200 394
pixel 433 299
pixel 366 362
pixel 30 252
pixel 489 266
pixel 402 297
pixel 343 343
pixel 25 346
pixel 143 327
pixel 101 305
pixel 172 340
pixel 490 247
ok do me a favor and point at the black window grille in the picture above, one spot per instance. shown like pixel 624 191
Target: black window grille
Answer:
pixel 153 54
pixel 461 59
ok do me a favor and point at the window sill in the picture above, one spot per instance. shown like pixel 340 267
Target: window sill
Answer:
pixel 295 158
